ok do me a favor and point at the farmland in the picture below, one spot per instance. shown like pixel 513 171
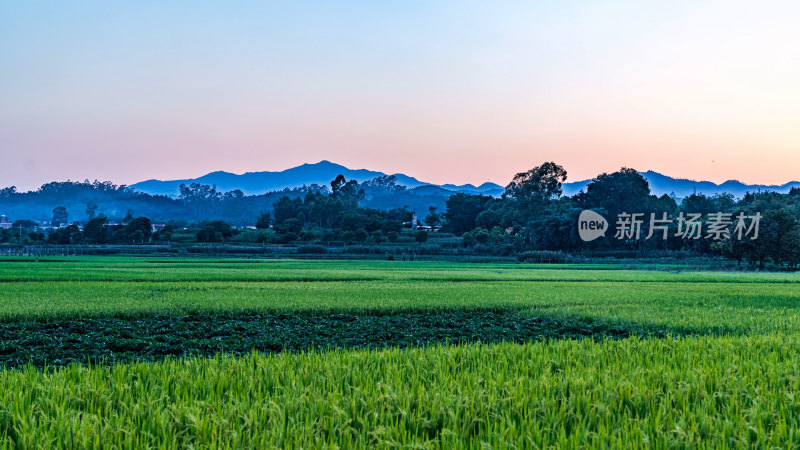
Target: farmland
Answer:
pixel 109 287
pixel 254 353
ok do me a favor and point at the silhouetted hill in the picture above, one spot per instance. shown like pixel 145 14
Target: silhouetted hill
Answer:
pixel 321 173
pixel 681 187
pixel 159 200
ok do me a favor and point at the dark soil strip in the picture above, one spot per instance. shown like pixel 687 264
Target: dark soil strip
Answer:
pixel 157 337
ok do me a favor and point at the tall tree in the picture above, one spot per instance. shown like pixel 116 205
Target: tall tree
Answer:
pixel 128 217
pixel 95 230
pixel 623 191
pixel 463 209
pixel 433 218
pixel 347 191
pixel 91 209
pixel 60 216
pixel 262 223
pixel 286 208
pixel 540 184
pixel 139 230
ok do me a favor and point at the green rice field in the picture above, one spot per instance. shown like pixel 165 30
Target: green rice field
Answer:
pixel 200 353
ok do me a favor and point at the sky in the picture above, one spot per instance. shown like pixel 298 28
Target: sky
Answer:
pixel 445 91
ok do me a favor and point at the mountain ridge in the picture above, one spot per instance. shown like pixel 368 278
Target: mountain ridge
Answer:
pixel 661 184
pixel 323 172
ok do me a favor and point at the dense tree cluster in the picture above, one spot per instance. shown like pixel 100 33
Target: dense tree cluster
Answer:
pixel 533 215
pixel 79 202
pixel 336 215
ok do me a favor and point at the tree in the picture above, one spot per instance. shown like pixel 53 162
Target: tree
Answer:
pixel 128 217
pixel 433 218
pixel 65 236
pixel 263 237
pixel 286 208
pixel 482 235
pixel 262 223
pixel 469 239
pixel 60 216
pixel 790 247
pixel 137 236
pixel 8 191
pixel 542 182
pixel 622 191
pixel 91 209
pixel 698 204
pixel 666 204
pixel 95 230
pixel 785 248
pixel 324 209
pixel 348 237
pixel 381 186
pixel 361 235
pixel 394 219
pixel 347 191
pixel 138 230
pixel 462 209
pixel 215 231
pixel 201 198
pixel 724 202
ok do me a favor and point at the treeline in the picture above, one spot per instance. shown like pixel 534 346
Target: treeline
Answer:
pixel 81 201
pixel 337 216
pixel 322 215
pixel 533 215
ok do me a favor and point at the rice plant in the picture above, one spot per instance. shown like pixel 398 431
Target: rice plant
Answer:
pixel 706 392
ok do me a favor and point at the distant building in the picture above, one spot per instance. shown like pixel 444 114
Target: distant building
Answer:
pixel 157 227
pixel 5 223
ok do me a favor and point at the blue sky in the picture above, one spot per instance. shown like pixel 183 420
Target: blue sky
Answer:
pixel 444 91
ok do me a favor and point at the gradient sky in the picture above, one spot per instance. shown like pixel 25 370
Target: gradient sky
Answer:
pixel 458 92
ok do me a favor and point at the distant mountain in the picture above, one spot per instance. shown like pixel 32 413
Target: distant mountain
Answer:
pixel 484 189
pixel 680 187
pixel 322 173
pixel 152 198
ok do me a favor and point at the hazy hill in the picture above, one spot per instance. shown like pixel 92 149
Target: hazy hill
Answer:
pixel 252 183
pixel 322 173
pixel 158 199
pixel 681 187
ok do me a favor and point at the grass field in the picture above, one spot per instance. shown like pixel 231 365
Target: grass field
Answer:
pixel 552 355
pixel 696 302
